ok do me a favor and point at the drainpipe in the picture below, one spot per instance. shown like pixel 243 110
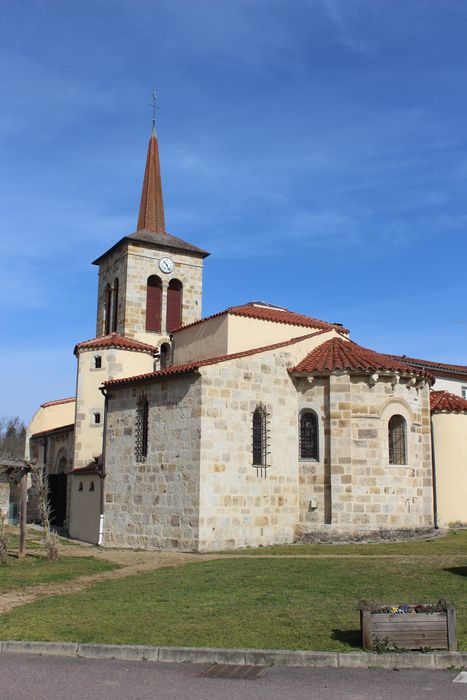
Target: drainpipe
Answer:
pixel 433 468
pixel 101 505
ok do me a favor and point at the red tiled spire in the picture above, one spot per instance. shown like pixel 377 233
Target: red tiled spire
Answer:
pixel 151 210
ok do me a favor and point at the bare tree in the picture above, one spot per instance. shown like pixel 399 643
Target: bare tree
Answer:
pixel 4 540
pixel 42 488
pixel 12 437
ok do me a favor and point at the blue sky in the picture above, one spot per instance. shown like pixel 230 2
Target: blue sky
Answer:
pixel 318 149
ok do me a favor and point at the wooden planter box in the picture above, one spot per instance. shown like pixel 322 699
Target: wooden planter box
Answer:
pixel 424 630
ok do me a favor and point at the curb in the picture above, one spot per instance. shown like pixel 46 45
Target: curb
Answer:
pixel 257 657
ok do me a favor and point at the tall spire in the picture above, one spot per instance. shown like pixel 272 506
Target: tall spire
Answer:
pixel 151 209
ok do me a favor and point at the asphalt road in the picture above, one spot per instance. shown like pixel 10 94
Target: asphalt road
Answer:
pixel 25 677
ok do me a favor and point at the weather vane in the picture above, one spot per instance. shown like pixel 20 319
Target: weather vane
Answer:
pixel 154 107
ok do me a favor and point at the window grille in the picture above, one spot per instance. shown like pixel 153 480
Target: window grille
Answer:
pixel 260 440
pixel 141 429
pixel 397 436
pixel 309 435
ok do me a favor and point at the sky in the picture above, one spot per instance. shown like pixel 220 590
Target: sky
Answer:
pixel 317 149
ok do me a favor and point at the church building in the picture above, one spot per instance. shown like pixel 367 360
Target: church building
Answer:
pixel 254 426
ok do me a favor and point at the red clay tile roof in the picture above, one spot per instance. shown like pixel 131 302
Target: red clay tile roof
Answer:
pixel 193 366
pixel 434 367
pixel 89 469
pixel 445 401
pixel 338 353
pixel 57 402
pixel 115 340
pixel 54 431
pixel 275 314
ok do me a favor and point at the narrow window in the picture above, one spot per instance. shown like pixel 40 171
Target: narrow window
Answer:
pixel 309 435
pixel 165 355
pixel 107 309
pixel 142 427
pixel 80 487
pixel 464 392
pixel 153 304
pixel 397 436
pixel 115 307
pixel 260 438
pixel 97 362
pixel 91 486
pixel 96 418
pixel 174 305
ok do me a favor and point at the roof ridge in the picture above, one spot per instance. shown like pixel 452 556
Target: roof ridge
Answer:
pixel 341 353
pixel 56 402
pixel 269 313
pixel 195 364
pixel 116 340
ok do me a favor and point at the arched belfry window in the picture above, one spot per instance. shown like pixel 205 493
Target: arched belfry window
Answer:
pixel 153 304
pixel 165 352
pixel 397 437
pixel 260 436
pixel 107 309
pixel 113 328
pixel 174 305
pixel 309 435
pixel 142 429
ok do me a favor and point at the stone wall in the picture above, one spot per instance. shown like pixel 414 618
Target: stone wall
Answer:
pixel 239 506
pixel 356 487
pixel 4 498
pixel 133 264
pixel 154 503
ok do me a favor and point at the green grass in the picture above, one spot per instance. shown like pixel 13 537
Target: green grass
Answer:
pixel 33 570
pixel 33 539
pixel 451 543
pixel 274 603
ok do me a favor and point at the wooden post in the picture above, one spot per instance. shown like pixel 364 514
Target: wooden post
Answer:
pixel 23 502
pixel 367 641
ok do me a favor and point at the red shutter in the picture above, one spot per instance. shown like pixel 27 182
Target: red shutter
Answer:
pixel 174 305
pixel 153 304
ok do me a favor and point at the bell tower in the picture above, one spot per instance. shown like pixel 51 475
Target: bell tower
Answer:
pixel 150 282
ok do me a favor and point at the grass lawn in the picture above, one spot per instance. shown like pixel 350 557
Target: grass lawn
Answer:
pixel 33 570
pixel 33 539
pixel 274 603
pixel 453 543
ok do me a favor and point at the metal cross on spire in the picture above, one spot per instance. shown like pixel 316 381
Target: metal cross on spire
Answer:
pixel 154 107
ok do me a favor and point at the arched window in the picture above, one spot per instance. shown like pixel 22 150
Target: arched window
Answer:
pixel 260 438
pixel 165 356
pixel 174 305
pixel 115 307
pixel 397 437
pixel 107 309
pixel 91 486
pixel 309 435
pixel 80 487
pixel 153 304
pixel 142 429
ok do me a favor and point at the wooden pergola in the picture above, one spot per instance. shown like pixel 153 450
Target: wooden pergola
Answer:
pixel 18 470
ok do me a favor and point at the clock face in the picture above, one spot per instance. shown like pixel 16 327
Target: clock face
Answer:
pixel 166 265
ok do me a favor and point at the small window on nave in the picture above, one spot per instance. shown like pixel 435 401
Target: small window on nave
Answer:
pixel 397 438
pixel 309 435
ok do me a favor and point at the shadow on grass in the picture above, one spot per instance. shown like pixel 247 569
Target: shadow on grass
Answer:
pixel 352 638
pixel 458 570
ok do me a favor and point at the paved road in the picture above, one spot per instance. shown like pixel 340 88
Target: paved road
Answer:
pixel 25 677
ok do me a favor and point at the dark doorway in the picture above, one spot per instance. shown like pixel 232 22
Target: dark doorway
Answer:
pixel 57 498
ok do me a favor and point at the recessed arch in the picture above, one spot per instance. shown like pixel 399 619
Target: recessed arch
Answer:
pixel 115 307
pixel 107 309
pixel 308 435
